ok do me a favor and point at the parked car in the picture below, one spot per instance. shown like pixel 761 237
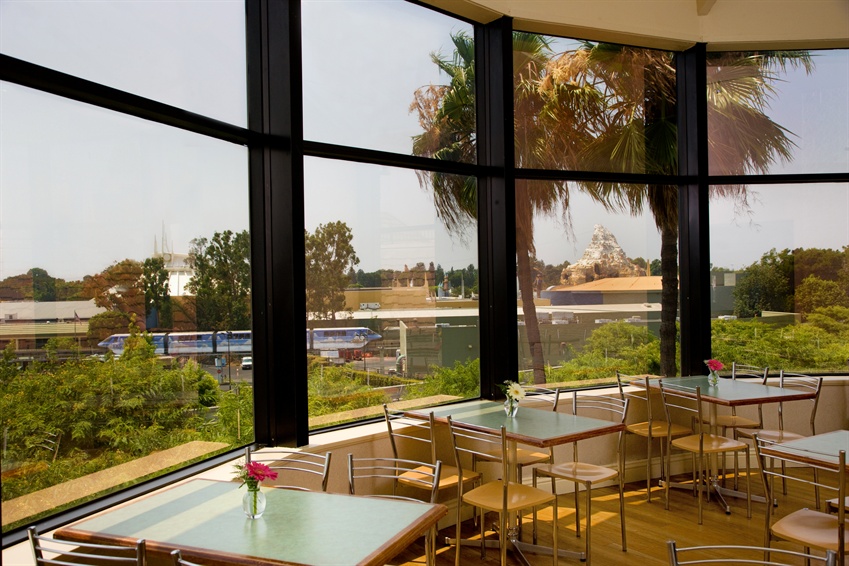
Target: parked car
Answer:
pixel 247 362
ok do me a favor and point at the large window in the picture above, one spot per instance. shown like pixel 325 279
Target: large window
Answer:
pixel 779 281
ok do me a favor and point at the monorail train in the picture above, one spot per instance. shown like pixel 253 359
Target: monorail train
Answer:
pixel 239 341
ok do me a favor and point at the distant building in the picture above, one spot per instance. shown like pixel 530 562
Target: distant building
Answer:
pixel 29 324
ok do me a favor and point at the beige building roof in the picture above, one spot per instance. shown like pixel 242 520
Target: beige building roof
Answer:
pixel 612 284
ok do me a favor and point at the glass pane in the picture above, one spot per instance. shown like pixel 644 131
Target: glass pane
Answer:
pixel 584 106
pixel 778 112
pixel 370 80
pixel 187 54
pixel 101 215
pixel 391 293
pixel 595 281
pixel 779 278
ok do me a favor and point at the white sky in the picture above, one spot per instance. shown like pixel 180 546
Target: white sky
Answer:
pixel 82 188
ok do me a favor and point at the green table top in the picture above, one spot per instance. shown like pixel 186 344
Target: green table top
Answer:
pixel 735 392
pixel 205 520
pixel 534 427
pixel 818 449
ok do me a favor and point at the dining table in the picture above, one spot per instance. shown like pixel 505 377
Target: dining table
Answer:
pixel 819 449
pixel 205 521
pixel 727 393
pixel 540 428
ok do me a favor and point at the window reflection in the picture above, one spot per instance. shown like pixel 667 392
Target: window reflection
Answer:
pixel 593 106
pixel 784 112
pixel 123 275
pixel 779 282
pixel 391 292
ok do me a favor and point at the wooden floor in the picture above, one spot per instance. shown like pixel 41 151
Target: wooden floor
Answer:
pixel 648 526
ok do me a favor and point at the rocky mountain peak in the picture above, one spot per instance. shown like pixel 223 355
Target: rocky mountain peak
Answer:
pixel 603 258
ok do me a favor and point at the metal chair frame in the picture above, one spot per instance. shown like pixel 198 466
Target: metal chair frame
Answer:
pixel 72 553
pixel 738 554
pixel 178 560
pixel 294 462
pixel 701 444
pixel 399 472
pixel 804 517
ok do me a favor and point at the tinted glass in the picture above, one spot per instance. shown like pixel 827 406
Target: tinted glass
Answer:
pixel 391 294
pixel 584 106
pixel 370 80
pixel 109 224
pixel 596 286
pixel 778 112
pixel 186 54
pixel 779 280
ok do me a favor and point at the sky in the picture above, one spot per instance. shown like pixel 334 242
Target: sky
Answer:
pixel 82 188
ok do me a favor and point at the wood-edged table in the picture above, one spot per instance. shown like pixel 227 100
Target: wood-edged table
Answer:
pixel 204 519
pixel 820 449
pixel 534 427
pixel 728 393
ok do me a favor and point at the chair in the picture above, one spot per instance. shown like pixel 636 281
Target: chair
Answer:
pixel 419 431
pixel 590 474
pixel 502 495
pixel 807 527
pixel 649 429
pixel 178 560
pixel 701 444
pixel 800 382
pixel 398 472
pixel 68 553
pixel 293 463
pixel 736 554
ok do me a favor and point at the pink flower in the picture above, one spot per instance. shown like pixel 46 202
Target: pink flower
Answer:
pixel 714 365
pixel 255 472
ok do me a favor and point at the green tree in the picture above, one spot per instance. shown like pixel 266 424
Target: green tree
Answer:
pixel 655 267
pixel 105 324
pixel 156 290
pixel 329 256
pixel 43 285
pixel 814 293
pixel 761 287
pixel 222 280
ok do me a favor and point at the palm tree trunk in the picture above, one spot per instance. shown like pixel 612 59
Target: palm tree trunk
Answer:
pixel 529 310
pixel 668 300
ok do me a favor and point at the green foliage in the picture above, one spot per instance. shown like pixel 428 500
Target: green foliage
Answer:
pixel 763 287
pixel 462 380
pixel 222 280
pixel 156 290
pixel 814 293
pixel 236 415
pixel 105 324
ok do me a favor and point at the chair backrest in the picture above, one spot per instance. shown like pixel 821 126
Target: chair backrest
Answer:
pixel 49 551
pixel 404 427
pixel 178 560
pixel 600 406
pixel 737 554
pixel 538 394
pixel 801 382
pixel 774 466
pixel 745 370
pixel 684 399
pixel 470 444
pixel 398 472
pixel 296 469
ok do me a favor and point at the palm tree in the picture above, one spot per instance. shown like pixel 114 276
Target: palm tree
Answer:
pixel 606 108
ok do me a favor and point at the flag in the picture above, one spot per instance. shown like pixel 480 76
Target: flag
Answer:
pixel 76 317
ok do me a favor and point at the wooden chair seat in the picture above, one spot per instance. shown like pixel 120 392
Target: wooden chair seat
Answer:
pixel 448 477
pixel 524 457
pixel 770 435
pixel 736 421
pixel 809 528
pixel 577 471
pixel 519 496
pixel 713 443
pixel 659 429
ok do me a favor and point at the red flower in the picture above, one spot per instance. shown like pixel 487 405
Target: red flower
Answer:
pixel 255 472
pixel 714 365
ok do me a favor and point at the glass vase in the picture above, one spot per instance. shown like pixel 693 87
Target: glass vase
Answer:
pixel 511 407
pixel 253 503
pixel 713 379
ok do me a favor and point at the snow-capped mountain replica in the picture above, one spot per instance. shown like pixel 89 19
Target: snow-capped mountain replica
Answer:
pixel 602 259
